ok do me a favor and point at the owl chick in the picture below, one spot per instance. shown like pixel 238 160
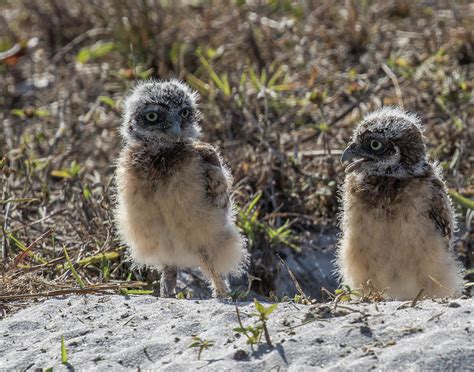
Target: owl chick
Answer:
pixel 397 219
pixel 174 206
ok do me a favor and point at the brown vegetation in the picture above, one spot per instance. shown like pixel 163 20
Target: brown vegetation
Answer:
pixel 282 85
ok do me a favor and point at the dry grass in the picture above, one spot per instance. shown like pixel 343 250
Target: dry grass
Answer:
pixel 282 84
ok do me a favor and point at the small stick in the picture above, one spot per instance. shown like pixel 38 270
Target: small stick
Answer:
pixel 417 298
pixel 35 222
pixel 238 317
pixel 328 293
pixel 441 285
pixel 94 32
pixel 27 250
pixel 394 79
pixel 5 240
pixel 295 282
pixel 62 292
pixel 53 293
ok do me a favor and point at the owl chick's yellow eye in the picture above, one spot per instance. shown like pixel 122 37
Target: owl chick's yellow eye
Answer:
pixel 151 116
pixel 185 113
pixel 376 145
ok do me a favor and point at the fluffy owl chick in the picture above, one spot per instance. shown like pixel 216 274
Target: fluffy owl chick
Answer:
pixel 397 219
pixel 174 206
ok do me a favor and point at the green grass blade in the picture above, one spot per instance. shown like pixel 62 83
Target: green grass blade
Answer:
pixel 461 200
pixel 94 259
pixel 222 84
pixel 276 76
pixel 253 78
pixel 254 202
pixel 73 270
pixel 197 84
pixel 63 351
pixel 125 291
pixel 23 247
pixel 19 200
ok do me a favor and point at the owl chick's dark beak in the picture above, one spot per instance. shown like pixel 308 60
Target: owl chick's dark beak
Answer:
pixel 350 153
pixel 175 129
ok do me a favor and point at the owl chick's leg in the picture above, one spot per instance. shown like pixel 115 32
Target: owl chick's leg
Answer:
pixel 219 287
pixel 168 281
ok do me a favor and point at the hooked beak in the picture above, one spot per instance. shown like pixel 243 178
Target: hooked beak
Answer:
pixel 175 128
pixel 351 152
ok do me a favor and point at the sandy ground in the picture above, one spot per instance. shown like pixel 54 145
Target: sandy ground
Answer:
pixel 124 333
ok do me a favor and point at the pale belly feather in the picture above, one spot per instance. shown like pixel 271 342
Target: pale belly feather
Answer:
pixel 172 222
pixel 399 252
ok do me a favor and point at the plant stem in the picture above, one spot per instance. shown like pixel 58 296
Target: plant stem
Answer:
pixel 267 335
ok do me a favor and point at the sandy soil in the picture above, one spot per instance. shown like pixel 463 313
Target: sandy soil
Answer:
pixel 124 333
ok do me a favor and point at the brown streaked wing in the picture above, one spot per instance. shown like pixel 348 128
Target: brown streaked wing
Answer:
pixel 217 189
pixel 440 211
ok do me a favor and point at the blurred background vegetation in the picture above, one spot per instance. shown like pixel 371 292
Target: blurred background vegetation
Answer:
pixel 282 84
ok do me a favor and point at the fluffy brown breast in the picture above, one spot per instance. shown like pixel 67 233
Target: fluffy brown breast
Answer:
pixel 380 192
pixel 157 162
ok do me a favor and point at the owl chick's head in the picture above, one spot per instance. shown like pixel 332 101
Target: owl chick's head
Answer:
pixel 161 111
pixel 387 143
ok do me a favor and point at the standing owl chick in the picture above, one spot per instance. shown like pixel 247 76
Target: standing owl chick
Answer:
pixel 397 219
pixel 173 192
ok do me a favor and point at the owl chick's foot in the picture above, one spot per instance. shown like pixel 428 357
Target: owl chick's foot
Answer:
pixel 219 287
pixel 168 281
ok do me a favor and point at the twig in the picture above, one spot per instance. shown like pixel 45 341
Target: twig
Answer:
pixel 23 270
pixel 78 40
pixel 62 126
pixel 441 285
pixel 295 282
pixel 62 292
pixel 356 103
pixel 417 297
pixel 364 96
pixel 271 215
pixel 27 250
pixel 435 316
pixel 128 321
pixel 5 240
pixel 35 222
pixel 255 49
pixel 351 309
pixel 394 79
pixel 19 200
pixel 238 317
pixel 327 292
pixel 299 325
pixel 314 153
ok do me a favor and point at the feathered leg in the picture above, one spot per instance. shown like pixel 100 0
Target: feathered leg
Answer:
pixel 168 281
pixel 219 287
